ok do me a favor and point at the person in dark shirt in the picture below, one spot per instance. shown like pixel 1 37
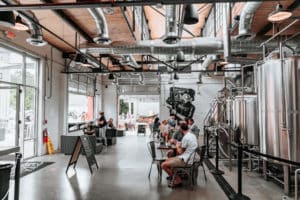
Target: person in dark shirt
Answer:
pixel 102 120
pixel 111 123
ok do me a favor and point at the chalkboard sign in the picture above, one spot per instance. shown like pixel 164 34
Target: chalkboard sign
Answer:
pixel 84 143
pixel 141 129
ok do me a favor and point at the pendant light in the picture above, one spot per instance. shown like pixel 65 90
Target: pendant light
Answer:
pixel 191 15
pixel 279 14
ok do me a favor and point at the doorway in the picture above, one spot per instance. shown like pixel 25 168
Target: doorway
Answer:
pixel 18 100
pixel 135 110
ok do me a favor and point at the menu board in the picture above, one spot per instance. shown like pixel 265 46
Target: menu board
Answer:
pixel 83 142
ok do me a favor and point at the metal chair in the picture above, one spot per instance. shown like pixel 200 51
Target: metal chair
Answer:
pixel 191 170
pixel 157 161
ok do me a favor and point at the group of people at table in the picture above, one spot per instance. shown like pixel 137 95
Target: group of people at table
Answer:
pixel 99 127
pixel 184 136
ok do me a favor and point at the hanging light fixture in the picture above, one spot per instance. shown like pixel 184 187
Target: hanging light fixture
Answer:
pixel 79 58
pixel 279 14
pixel 20 25
pixel 111 76
pixel 191 15
pixel 176 77
pixel 7 18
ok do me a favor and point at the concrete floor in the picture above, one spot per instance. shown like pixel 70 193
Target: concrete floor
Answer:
pixel 123 175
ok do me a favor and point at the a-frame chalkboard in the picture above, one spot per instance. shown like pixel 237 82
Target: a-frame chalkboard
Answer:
pixel 84 142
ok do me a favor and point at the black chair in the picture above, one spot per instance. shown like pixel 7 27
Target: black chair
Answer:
pixel 190 171
pixel 157 161
pixel 201 152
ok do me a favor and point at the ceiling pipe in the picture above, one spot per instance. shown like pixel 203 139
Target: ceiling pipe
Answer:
pixel 195 46
pixel 210 59
pixel 36 38
pixel 246 19
pixel 130 60
pixel 103 35
pixel 171 34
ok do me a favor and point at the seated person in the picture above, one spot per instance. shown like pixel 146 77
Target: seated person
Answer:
pixel 186 150
pixel 176 137
pixel 90 129
pixel 164 130
pixel 110 123
pixel 155 126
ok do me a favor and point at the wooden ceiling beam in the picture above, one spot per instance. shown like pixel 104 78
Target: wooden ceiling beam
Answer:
pixel 71 23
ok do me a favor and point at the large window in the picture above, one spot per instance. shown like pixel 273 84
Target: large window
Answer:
pixel 81 98
pixel 18 100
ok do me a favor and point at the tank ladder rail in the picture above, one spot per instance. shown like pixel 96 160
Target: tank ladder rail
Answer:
pixel 297 172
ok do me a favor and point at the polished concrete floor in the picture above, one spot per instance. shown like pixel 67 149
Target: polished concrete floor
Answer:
pixel 123 175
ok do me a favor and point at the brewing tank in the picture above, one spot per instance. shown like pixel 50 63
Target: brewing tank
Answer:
pixel 245 116
pixel 279 103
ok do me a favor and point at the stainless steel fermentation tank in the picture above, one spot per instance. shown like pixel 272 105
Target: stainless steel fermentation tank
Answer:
pixel 279 104
pixel 242 112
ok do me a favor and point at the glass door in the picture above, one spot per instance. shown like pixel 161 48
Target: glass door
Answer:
pixel 29 136
pixel 9 115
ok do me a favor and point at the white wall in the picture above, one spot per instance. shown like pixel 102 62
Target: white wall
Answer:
pixel 55 107
pixel 207 91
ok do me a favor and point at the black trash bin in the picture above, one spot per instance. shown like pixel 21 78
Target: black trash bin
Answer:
pixel 4 180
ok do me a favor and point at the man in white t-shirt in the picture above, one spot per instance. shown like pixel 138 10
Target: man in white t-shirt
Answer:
pixel 185 149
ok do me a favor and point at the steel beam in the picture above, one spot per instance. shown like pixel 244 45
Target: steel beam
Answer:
pixel 91 4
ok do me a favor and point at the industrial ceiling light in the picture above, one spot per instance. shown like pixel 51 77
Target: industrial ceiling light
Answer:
pixel 171 79
pixel 111 76
pixel 191 15
pixel 279 14
pixel 7 18
pixel 180 56
pixel 176 77
pixel 20 25
pixel 79 58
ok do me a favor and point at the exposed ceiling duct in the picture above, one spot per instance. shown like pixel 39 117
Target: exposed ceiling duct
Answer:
pixel 171 35
pixel 130 61
pixel 210 59
pixel 246 19
pixel 196 46
pixel 103 35
pixel 36 38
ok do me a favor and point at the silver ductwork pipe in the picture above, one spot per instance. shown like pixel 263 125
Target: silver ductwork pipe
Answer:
pixel 210 59
pixel 36 38
pixel 103 35
pixel 246 19
pixel 171 35
pixel 130 60
pixel 196 46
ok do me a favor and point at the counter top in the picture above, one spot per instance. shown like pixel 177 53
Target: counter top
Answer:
pixel 8 150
